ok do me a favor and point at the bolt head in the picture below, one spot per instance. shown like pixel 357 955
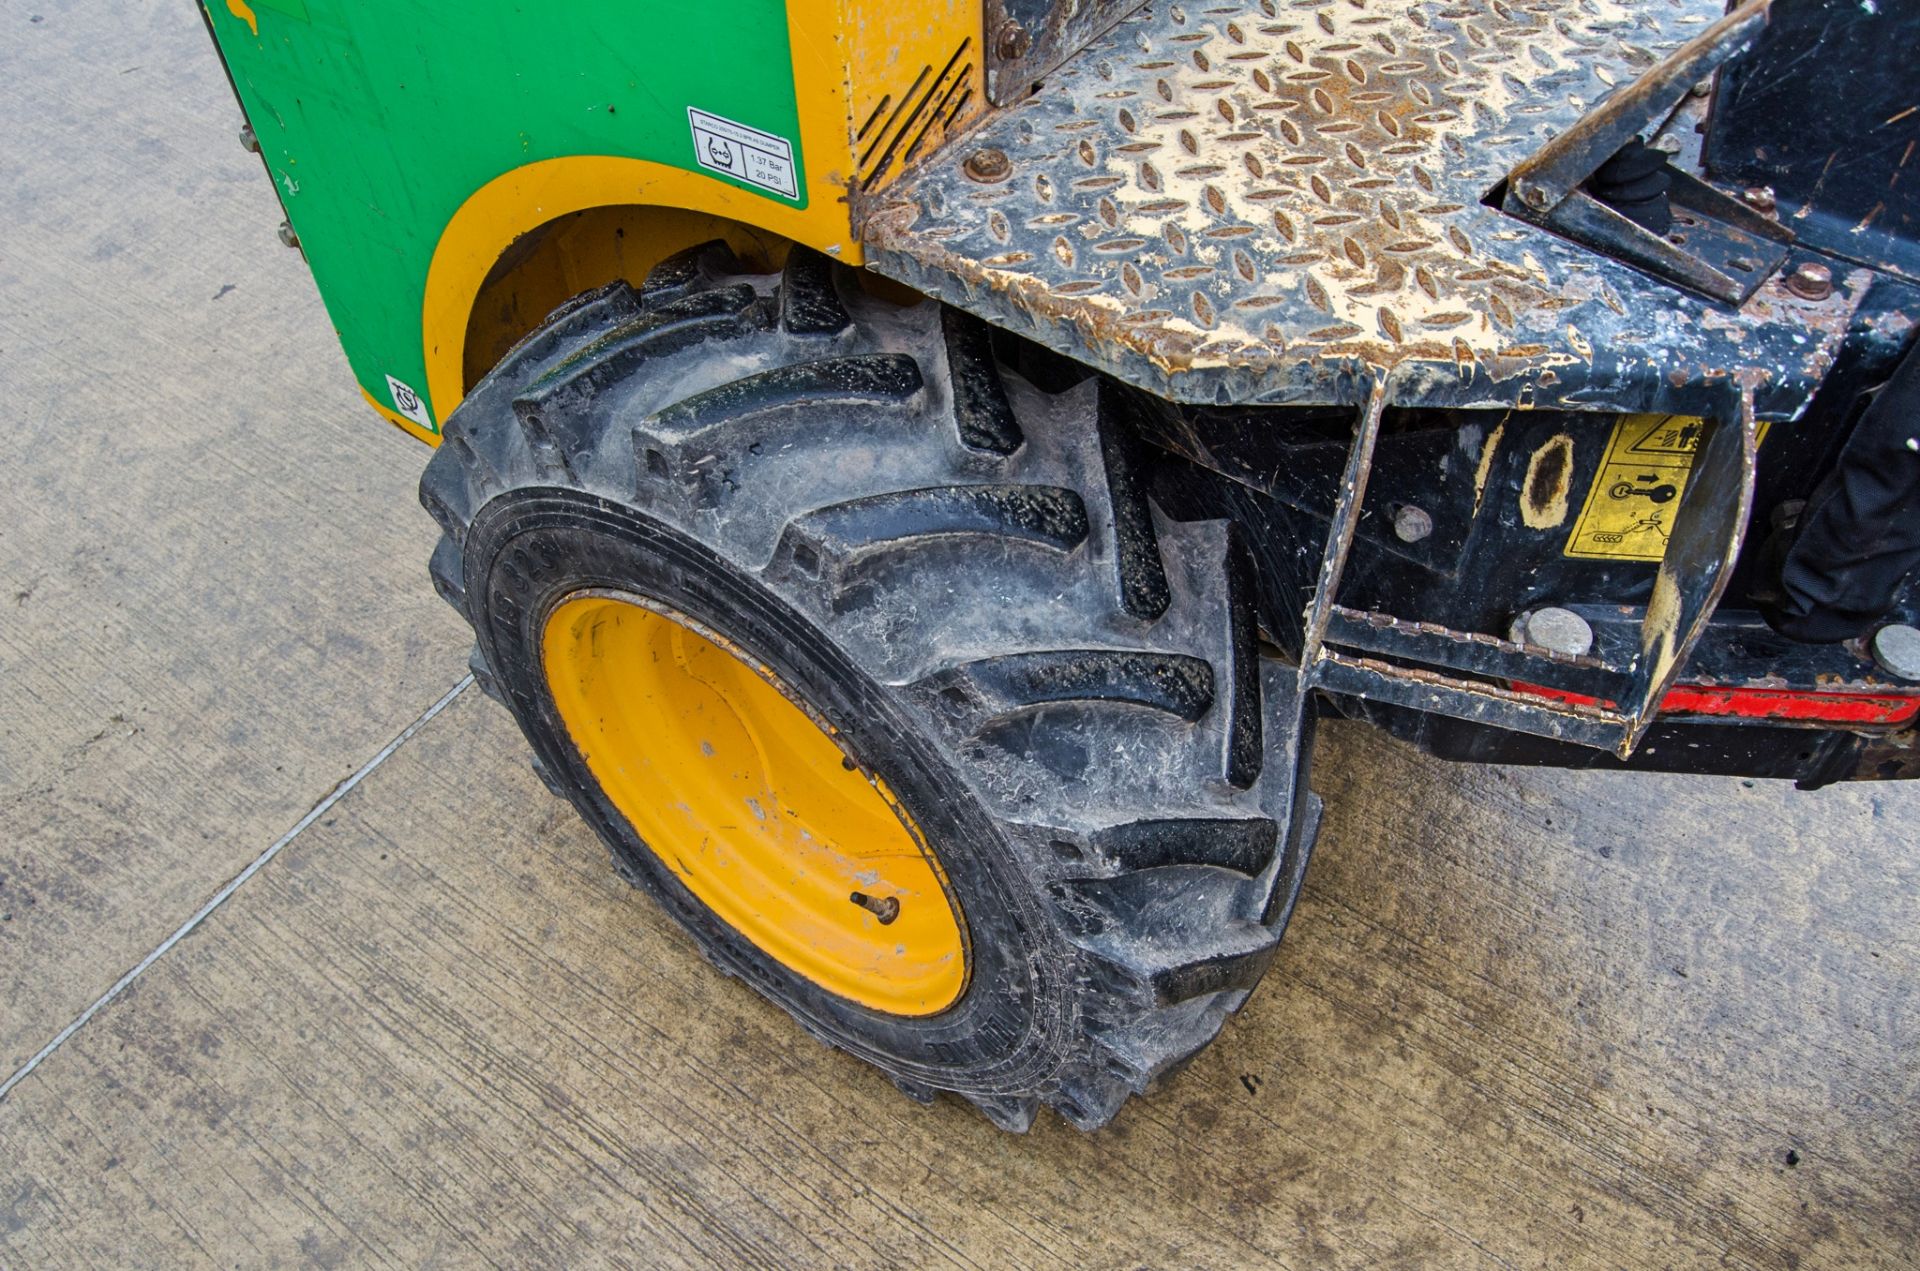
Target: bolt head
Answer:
pixel 1758 197
pixel 1896 648
pixel 1554 629
pixel 988 166
pixel 1013 42
pixel 1411 524
pixel 1810 280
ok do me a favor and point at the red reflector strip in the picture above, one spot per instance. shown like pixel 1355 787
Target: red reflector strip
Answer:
pixel 1780 703
pixel 1767 703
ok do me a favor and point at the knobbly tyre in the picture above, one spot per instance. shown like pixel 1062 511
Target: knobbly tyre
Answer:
pixel 916 472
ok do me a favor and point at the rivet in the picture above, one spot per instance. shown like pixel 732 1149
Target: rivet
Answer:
pixel 1758 197
pixel 988 166
pixel 1554 629
pixel 1897 649
pixel 288 237
pixel 1411 524
pixel 249 142
pixel 1013 41
pixel 1810 280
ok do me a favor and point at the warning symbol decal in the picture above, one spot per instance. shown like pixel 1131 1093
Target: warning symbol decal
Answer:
pixel 408 403
pixel 1629 511
pixel 1630 508
pixel 1671 435
pixel 746 154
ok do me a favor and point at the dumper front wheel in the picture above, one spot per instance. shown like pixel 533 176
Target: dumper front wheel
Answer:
pixel 876 667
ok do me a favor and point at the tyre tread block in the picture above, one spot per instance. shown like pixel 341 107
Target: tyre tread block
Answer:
pixel 1245 725
pixel 446 569
pixel 1013 1113
pixel 459 448
pixel 1144 592
pixel 1155 1046
pixel 980 406
pixel 837 541
pixel 1245 845
pixel 473 453
pixel 447 497
pixel 687 271
pixel 1174 683
pixel 1089 1099
pixel 612 300
pixel 574 320
pixel 554 409
pixel 871 379
pixel 483 677
pixel 1174 933
pixel 809 300
pixel 554 786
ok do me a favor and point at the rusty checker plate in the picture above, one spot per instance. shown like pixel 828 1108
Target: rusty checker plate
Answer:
pixel 1271 201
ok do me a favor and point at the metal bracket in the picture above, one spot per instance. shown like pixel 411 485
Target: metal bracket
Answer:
pixel 1720 248
pixel 1707 532
pixel 1346 520
pixel 1026 39
pixel 1473 676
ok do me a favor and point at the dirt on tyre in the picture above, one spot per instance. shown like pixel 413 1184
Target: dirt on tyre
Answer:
pixel 876 667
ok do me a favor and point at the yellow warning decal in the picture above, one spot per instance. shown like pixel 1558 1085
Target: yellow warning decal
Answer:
pixel 1629 510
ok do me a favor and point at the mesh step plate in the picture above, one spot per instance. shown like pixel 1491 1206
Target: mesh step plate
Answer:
pixel 1274 200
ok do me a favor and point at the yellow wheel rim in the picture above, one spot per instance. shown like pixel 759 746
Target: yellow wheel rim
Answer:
pixel 750 801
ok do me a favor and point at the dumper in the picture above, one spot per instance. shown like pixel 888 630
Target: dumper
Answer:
pixel 917 472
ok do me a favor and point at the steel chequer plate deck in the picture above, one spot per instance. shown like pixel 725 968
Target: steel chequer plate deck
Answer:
pixel 1277 201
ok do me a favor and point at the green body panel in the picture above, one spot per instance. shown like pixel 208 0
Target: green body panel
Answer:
pixel 377 121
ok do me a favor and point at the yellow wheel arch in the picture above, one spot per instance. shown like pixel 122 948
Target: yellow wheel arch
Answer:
pixel 673 209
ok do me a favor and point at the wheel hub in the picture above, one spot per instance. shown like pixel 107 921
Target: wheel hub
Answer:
pixel 751 801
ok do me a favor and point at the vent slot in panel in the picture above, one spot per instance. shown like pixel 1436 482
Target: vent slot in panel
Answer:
pixel 902 127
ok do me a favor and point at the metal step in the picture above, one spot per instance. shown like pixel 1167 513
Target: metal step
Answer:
pixel 1282 202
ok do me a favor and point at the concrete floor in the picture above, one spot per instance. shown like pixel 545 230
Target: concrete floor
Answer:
pixel 1522 1018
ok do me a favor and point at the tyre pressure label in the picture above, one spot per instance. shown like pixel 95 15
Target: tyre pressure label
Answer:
pixel 1629 511
pixel 746 154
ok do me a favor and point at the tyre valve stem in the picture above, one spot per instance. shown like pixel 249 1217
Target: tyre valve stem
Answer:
pixel 885 908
